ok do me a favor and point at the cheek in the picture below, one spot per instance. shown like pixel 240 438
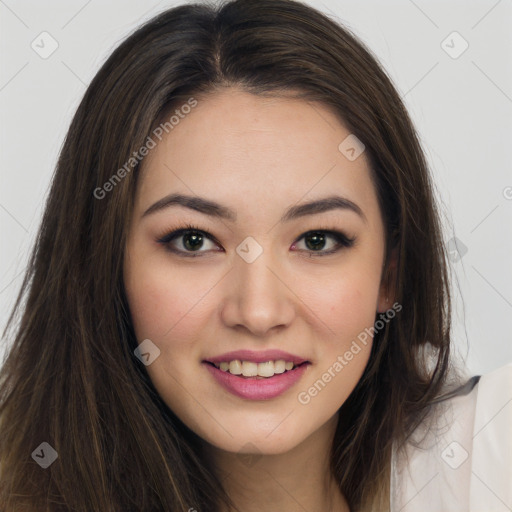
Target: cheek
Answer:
pixel 343 353
pixel 154 307
pixel 170 311
pixel 346 303
pixel 162 305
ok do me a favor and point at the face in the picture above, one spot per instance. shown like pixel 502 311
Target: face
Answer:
pixel 258 271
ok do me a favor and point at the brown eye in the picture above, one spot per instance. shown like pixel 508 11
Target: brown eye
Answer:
pixel 315 241
pixel 187 241
pixel 192 241
pixel 325 242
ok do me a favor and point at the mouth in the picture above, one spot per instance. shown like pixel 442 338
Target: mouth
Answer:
pixel 247 383
pixel 251 370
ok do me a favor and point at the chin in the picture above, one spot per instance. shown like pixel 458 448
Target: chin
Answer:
pixel 256 445
pixel 247 439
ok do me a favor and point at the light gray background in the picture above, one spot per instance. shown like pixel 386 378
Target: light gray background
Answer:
pixel 462 108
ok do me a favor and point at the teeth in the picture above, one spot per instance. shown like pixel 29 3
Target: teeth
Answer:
pixel 279 366
pixel 266 369
pixel 251 369
pixel 235 367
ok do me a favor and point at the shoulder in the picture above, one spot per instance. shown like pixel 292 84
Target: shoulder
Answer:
pixel 491 457
pixel 460 458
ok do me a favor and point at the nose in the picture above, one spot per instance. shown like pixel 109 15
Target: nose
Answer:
pixel 258 297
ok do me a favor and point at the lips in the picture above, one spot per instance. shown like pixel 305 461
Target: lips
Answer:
pixel 257 388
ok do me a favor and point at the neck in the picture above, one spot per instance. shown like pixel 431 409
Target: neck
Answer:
pixel 297 480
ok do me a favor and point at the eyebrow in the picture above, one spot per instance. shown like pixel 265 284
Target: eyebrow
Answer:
pixel 213 209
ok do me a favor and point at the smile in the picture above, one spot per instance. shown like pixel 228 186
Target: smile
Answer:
pixel 255 386
pixel 252 369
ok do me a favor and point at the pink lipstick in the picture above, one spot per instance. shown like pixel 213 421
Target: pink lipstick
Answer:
pixel 257 387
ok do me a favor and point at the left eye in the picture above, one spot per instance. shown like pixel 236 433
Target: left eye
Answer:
pixel 187 241
pixel 316 241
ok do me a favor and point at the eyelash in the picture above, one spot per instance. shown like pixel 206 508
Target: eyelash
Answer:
pixel 170 235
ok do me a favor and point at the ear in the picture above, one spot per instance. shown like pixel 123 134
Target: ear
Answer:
pixel 387 285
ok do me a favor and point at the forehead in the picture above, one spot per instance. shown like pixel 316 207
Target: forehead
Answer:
pixel 252 152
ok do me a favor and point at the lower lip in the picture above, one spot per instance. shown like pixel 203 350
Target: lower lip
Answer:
pixel 257 389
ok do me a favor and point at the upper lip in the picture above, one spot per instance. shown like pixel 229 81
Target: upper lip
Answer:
pixel 257 356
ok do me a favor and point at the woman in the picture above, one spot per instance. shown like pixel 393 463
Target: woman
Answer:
pixel 238 299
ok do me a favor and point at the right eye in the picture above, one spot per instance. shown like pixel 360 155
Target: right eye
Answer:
pixel 187 241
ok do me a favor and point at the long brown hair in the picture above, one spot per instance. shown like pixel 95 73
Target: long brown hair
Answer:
pixel 71 378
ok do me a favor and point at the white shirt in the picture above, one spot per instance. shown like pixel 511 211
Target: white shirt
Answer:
pixel 464 464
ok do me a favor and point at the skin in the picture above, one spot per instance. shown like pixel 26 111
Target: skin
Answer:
pixel 258 156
